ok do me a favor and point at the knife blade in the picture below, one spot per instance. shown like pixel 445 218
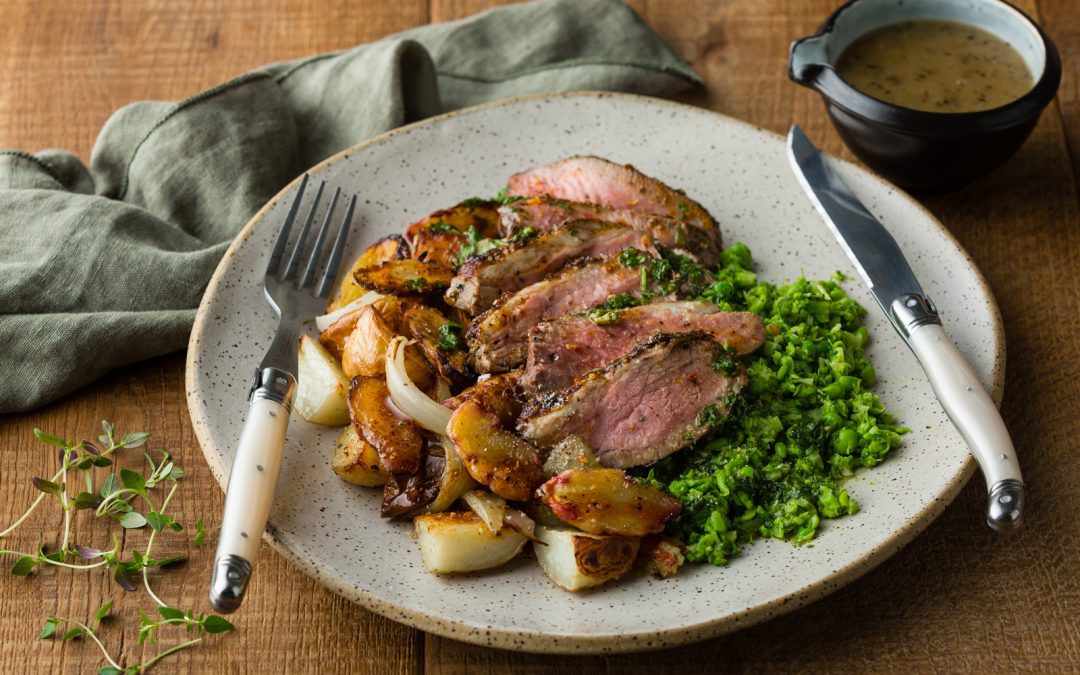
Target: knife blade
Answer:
pixel 880 262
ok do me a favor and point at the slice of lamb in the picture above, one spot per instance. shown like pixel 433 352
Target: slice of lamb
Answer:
pixel 564 348
pixel 497 338
pixel 511 267
pixel 546 213
pixel 642 407
pixel 599 181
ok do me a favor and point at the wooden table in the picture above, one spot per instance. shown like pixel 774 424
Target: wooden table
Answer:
pixel 959 598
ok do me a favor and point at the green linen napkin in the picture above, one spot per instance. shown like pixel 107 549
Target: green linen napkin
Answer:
pixel 105 265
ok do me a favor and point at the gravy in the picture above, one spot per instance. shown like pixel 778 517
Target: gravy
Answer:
pixel 937 66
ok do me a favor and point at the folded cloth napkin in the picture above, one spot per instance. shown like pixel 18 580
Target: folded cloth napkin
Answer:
pixel 105 265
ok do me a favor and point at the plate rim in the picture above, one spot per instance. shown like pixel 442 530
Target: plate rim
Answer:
pixel 565 643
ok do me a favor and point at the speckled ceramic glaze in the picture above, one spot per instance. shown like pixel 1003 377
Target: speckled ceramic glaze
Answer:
pixel 332 530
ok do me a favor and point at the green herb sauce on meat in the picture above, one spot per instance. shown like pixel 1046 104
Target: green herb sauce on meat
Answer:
pixel 806 420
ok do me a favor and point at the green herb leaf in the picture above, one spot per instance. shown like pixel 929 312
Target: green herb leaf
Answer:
pixel 217 624
pixel 504 197
pixel 200 533
pixel 109 486
pixel 131 520
pixel 86 500
pixel 46 486
pixel 169 612
pixel 524 234
pixel 110 670
pixel 73 633
pixel 417 284
pixel 473 202
pixel 23 566
pixel 475 246
pixel 49 629
pixel 156 521
pixel 442 227
pixel 122 576
pixel 448 336
pixel 632 257
pixel 133 480
pixel 49 438
pixel 102 612
pixel 101 461
pixel 134 440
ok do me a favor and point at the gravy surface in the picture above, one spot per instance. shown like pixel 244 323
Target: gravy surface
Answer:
pixel 937 66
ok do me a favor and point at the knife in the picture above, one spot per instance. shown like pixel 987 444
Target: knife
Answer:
pixel 881 264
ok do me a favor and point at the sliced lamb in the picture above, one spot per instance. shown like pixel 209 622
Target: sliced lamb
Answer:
pixel 564 348
pixel 511 267
pixel 546 213
pixel 497 337
pixel 598 181
pixel 661 397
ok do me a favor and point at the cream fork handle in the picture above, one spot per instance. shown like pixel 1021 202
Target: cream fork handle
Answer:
pixel 251 487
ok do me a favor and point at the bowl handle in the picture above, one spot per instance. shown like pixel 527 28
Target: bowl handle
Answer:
pixel 807 60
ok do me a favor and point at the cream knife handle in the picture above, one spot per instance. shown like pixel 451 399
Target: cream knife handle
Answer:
pixel 973 412
pixel 250 491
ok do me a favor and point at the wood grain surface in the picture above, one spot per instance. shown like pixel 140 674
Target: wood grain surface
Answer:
pixel 957 599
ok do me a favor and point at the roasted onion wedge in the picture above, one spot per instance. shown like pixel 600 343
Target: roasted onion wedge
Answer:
pixel 405 277
pixel 577 560
pixel 398 442
pixel 608 501
pixel 320 385
pixel 356 461
pixel 506 463
pixel 364 351
pixel 461 542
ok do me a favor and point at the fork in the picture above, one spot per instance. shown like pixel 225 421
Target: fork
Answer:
pixel 255 468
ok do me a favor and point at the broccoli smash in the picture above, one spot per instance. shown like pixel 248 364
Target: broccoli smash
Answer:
pixel 804 421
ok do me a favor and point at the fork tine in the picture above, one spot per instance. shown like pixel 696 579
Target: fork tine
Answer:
pixel 316 248
pixel 283 236
pixel 298 247
pixel 330 273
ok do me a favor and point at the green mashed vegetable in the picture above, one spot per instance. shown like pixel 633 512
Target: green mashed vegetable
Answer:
pixel 806 420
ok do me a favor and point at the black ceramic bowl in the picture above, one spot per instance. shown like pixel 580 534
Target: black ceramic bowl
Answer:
pixel 918 150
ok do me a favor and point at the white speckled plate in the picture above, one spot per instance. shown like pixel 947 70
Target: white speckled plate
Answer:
pixel 332 530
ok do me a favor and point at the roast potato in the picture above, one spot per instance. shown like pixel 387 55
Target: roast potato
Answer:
pixel 569 453
pixel 608 501
pixel 506 463
pixel 437 246
pixel 320 385
pixel 398 442
pixel 393 247
pixel 405 277
pixel 461 542
pixel 423 324
pixel 356 461
pixel 576 560
pixel 480 214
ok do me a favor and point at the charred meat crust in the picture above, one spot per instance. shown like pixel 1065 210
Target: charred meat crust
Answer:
pixel 538 405
pixel 480 280
pixel 594 179
pixel 498 338
pixel 644 406
pixel 546 213
pixel 562 348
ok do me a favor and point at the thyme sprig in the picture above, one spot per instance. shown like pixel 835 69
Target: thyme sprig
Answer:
pixel 115 498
